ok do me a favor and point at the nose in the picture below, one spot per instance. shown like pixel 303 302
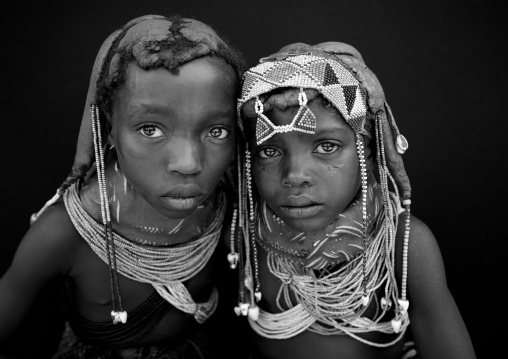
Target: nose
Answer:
pixel 296 172
pixel 184 158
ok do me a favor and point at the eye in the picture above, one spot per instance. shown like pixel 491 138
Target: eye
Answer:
pixel 327 148
pixel 151 131
pixel 268 152
pixel 218 132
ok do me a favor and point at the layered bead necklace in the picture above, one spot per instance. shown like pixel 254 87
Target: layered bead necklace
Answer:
pixel 164 267
pixel 332 303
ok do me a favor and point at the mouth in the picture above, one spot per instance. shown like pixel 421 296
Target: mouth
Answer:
pixel 300 207
pixel 183 202
pixel 184 197
pixel 301 211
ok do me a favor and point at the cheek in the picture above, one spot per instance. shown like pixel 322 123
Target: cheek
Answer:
pixel 217 160
pixel 265 178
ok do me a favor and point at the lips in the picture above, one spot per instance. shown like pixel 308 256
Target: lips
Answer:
pixel 184 197
pixel 300 207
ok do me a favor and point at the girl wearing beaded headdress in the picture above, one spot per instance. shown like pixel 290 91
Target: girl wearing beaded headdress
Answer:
pixel 134 226
pixel 332 264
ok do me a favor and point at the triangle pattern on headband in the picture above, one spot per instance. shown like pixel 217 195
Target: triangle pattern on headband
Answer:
pixel 335 94
pixel 300 77
pixel 349 92
pixel 359 109
pixel 304 120
pixel 329 76
pixel 318 70
pixel 264 128
pixel 280 73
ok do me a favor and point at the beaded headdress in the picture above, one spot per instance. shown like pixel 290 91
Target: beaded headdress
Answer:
pixel 338 73
pixel 150 41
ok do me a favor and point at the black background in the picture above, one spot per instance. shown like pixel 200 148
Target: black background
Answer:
pixel 441 64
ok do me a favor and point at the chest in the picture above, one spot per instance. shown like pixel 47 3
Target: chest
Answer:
pixel 90 288
pixel 285 286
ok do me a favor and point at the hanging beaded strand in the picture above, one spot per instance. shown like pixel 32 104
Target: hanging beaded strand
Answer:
pixel 402 302
pixel 233 255
pixel 401 146
pixel 363 171
pixel 241 233
pixel 252 275
pixel 118 315
pixel 386 302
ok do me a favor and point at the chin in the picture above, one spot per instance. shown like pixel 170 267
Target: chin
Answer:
pixel 176 213
pixel 306 225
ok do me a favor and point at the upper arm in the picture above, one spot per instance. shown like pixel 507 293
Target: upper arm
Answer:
pixel 436 323
pixel 45 252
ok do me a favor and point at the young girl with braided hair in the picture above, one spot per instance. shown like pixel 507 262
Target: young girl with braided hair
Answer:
pixel 134 226
pixel 332 263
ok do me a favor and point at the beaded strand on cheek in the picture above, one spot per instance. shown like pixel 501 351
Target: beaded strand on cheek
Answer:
pixel 363 170
pixel 118 315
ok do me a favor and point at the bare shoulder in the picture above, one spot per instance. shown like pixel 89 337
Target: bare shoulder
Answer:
pixel 436 322
pixel 52 239
pixel 424 252
pixel 46 252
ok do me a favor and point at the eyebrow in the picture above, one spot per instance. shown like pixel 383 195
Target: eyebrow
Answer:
pixel 151 108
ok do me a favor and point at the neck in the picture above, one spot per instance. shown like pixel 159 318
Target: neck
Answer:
pixel 339 242
pixel 135 219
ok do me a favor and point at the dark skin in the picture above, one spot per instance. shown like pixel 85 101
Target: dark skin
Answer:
pixel 309 179
pixel 173 137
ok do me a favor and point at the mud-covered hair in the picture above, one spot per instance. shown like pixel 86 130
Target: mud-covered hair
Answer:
pixel 151 51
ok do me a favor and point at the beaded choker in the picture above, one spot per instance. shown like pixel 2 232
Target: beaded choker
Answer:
pixel 165 268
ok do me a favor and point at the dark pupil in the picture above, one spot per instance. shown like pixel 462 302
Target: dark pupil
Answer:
pixel 270 152
pixel 327 147
pixel 215 132
pixel 149 130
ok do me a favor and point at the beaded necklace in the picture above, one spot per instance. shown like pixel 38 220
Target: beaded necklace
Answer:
pixel 331 304
pixel 165 268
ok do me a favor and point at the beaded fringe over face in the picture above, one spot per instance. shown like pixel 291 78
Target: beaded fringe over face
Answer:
pixel 348 90
pixel 304 120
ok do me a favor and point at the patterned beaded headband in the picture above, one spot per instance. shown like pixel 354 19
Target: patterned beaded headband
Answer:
pixel 330 77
